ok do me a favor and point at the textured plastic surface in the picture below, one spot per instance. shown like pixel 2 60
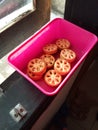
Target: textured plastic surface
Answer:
pixel 81 40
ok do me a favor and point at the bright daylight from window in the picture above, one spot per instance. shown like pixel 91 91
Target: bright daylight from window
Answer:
pixel 12 11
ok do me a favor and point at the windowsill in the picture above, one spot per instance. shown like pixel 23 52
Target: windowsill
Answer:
pixel 23 92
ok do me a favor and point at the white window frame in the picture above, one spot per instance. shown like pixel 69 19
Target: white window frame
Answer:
pixel 17 15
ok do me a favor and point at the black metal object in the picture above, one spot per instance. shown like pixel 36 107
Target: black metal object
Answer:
pixel 83 13
pixel 97 116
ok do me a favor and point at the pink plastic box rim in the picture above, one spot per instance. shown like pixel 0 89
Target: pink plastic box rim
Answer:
pixel 82 42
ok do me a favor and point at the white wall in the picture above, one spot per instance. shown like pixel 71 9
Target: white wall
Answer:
pixel 58 5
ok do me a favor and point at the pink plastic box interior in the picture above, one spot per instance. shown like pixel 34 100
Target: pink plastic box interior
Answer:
pixel 81 41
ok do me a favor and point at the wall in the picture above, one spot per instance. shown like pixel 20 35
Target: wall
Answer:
pixel 58 5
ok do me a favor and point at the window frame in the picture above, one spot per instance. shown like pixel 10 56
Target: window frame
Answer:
pixel 20 14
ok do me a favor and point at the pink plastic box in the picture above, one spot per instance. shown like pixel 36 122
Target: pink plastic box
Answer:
pixel 81 40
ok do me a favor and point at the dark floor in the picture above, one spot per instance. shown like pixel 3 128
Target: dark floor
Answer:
pixel 79 118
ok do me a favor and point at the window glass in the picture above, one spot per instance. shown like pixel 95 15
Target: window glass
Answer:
pixel 12 11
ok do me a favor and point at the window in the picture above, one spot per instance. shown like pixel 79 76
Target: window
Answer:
pixel 12 11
